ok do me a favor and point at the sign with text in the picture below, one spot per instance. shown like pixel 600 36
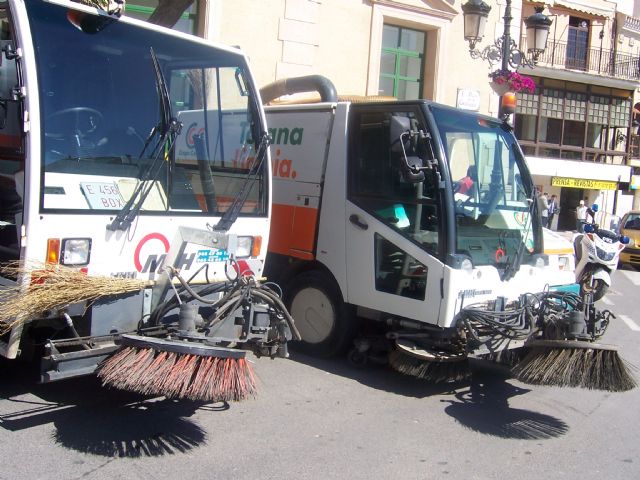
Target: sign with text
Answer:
pixel 468 99
pixel 583 183
pixel 102 196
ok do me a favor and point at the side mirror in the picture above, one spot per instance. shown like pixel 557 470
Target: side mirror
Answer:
pixel 399 127
pixel 624 239
pixel 594 207
pixel 413 172
pixel 403 138
pixel 589 228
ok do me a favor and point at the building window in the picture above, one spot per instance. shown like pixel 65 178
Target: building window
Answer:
pixel 574 121
pixel 142 10
pixel 401 63
pixel 578 43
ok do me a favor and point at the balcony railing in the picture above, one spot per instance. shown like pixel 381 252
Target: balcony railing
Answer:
pixel 591 60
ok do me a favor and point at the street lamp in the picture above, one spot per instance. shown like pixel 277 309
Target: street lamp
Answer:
pixel 538 26
pixel 504 48
pixel 475 18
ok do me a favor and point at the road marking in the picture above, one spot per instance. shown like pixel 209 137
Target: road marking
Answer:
pixel 630 323
pixel 606 301
pixel 634 277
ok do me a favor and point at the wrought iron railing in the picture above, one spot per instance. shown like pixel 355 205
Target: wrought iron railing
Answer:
pixel 592 60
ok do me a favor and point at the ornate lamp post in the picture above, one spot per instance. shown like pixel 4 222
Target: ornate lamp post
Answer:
pixel 504 48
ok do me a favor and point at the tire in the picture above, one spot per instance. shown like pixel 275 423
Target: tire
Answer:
pixel 326 324
pixel 599 288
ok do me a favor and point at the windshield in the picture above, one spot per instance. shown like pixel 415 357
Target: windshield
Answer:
pixel 632 222
pixel 492 209
pixel 99 109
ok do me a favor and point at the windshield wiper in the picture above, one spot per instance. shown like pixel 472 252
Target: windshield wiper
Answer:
pixel 167 130
pixel 230 216
pixel 513 263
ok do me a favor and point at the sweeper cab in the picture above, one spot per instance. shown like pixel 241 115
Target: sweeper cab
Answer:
pixel 135 205
pixel 409 229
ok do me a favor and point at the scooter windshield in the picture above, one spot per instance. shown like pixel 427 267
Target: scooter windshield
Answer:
pixel 97 119
pixel 492 206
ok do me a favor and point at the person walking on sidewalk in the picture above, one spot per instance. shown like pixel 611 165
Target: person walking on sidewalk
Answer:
pixel 543 208
pixel 581 216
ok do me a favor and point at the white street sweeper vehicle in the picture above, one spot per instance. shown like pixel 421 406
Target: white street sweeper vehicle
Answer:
pixel 415 223
pixel 135 204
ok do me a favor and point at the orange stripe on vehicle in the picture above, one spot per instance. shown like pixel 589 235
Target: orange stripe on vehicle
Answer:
pixel 293 231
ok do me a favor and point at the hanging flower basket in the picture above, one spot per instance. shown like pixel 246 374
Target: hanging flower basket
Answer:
pixel 499 88
pixel 503 81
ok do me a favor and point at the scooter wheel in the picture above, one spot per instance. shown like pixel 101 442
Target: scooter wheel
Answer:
pixel 596 288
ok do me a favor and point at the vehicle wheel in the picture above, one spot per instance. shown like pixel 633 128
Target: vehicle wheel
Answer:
pixel 595 287
pixel 357 358
pixel 325 323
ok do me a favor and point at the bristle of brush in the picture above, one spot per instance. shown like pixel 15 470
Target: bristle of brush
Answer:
pixel 509 358
pixel 437 372
pixel 177 375
pixel 576 367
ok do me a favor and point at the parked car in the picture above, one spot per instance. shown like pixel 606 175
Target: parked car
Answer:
pixel 630 226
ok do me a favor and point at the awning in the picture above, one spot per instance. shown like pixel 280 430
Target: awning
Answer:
pixel 555 167
pixel 597 8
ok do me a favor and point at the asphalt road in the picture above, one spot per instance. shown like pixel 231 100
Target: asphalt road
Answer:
pixel 323 419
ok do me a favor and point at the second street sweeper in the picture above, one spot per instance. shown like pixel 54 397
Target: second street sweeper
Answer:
pixel 135 204
pixel 412 228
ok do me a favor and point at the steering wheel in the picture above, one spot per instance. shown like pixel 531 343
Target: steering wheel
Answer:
pixel 78 121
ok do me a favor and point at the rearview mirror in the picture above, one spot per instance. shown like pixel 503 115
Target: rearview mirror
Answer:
pixel 402 142
pixel 399 127
pixel 414 172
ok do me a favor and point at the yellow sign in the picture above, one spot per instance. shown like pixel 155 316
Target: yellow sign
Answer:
pixel 583 183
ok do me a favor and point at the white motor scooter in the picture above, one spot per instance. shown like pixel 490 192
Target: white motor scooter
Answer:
pixel 597 252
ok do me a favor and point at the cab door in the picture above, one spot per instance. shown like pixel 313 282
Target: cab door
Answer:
pixel 393 220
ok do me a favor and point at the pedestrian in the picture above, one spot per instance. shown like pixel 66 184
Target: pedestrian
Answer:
pixel 543 208
pixel 553 210
pixel 581 216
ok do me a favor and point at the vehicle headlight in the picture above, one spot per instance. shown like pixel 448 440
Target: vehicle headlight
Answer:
pixel 75 251
pixel 604 255
pixel 248 247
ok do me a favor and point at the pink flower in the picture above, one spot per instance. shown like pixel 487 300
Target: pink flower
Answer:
pixel 515 81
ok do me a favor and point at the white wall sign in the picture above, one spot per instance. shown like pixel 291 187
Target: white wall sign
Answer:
pixel 468 99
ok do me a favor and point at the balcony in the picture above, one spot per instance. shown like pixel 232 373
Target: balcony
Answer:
pixel 597 61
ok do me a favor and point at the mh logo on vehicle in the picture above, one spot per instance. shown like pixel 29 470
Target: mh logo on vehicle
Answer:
pixel 153 261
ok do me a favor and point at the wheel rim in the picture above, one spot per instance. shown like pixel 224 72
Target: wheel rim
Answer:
pixel 587 288
pixel 314 314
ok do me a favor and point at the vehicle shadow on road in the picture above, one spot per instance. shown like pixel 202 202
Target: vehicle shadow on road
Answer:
pixel 484 407
pixel 91 419
pixel 379 376
pixel 480 403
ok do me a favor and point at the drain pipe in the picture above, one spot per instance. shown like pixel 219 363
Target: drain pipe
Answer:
pixel 309 83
